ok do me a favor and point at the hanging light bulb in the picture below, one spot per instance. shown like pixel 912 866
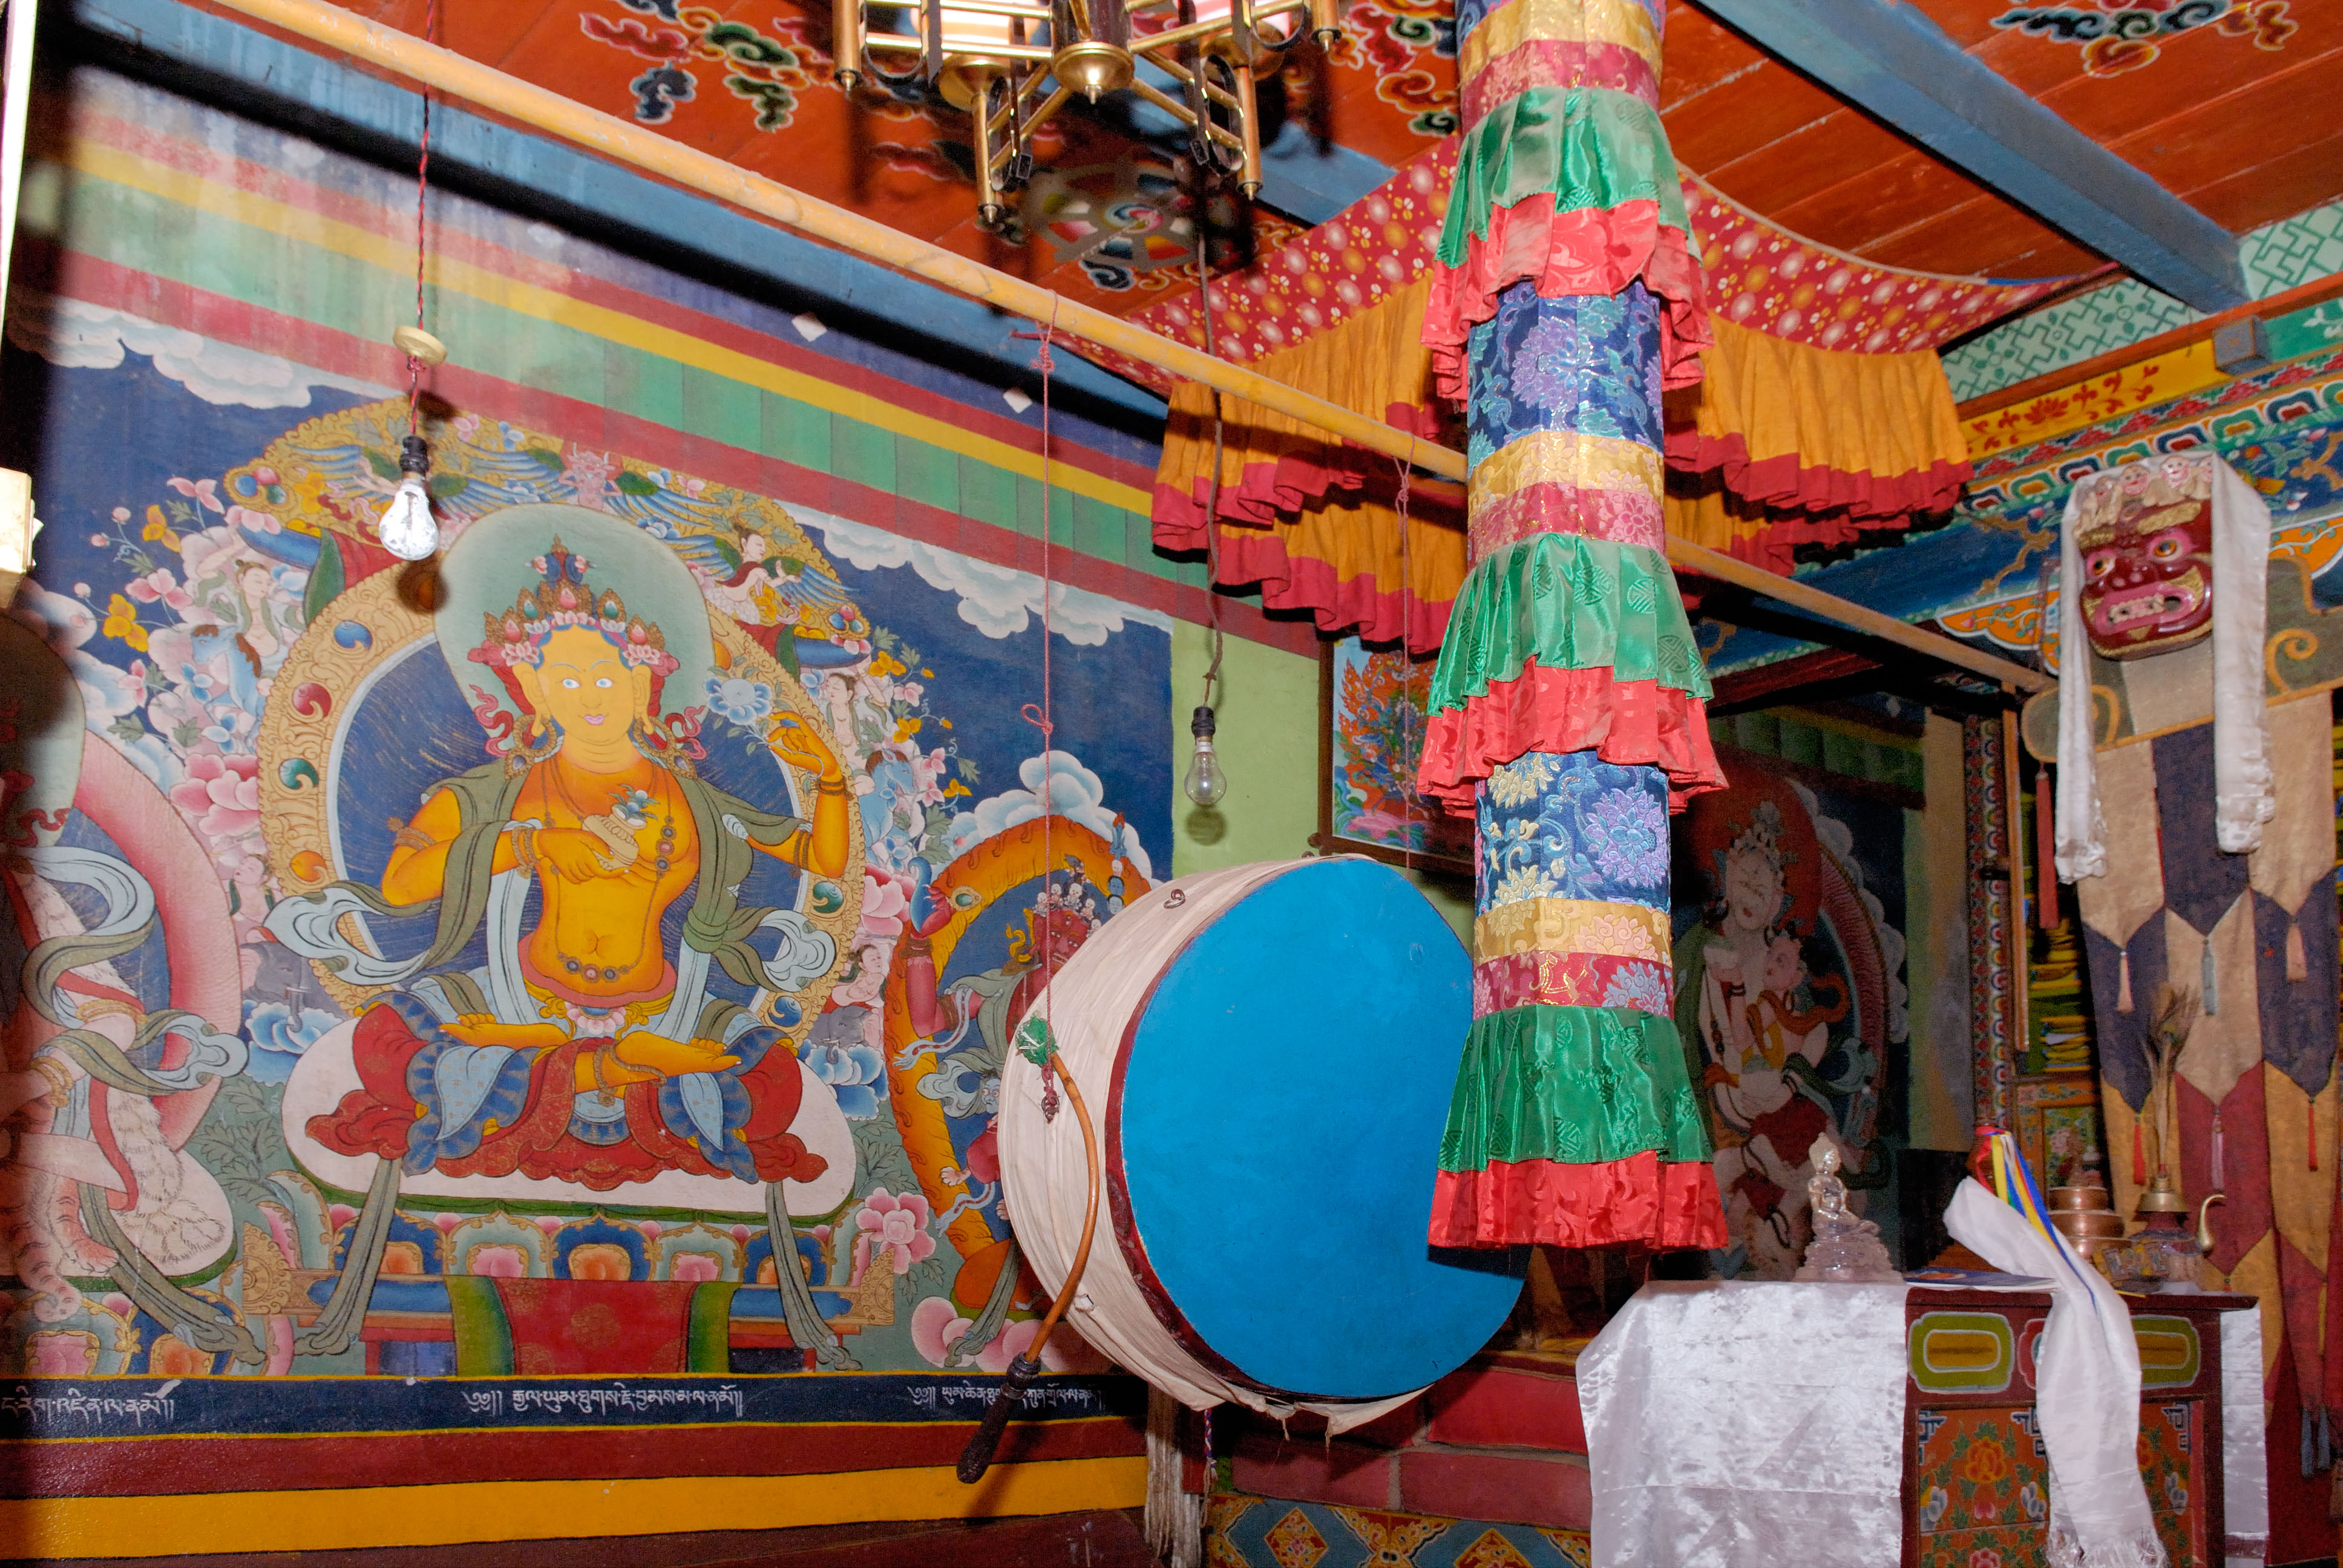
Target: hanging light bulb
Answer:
pixel 407 529
pixel 1205 782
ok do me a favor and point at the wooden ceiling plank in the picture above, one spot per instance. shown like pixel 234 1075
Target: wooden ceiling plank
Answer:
pixel 1986 237
pixel 2209 142
pixel 1770 178
pixel 1701 56
pixel 2187 76
pixel 1880 202
pixel 1761 112
pixel 1897 66
pixel 2293 183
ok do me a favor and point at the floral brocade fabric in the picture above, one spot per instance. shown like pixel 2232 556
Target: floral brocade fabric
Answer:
pixel 1574 827
pixel 1587 363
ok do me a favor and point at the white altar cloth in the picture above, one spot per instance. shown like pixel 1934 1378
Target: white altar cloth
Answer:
pixel 1746 1424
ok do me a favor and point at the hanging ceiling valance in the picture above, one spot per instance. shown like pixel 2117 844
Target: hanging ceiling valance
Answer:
pixel 1821 410
pixel 1819 446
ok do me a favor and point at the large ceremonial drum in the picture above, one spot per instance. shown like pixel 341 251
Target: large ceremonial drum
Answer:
pixel 1267 1051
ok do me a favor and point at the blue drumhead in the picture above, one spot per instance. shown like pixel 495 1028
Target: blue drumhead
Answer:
pixel 1279 1117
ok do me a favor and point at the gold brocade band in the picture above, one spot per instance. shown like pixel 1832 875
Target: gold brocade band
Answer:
pixel 1567 458
pixel 1622 22
pixel 1573 926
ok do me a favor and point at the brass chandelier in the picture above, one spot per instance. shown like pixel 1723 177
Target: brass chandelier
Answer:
pixel 1012 66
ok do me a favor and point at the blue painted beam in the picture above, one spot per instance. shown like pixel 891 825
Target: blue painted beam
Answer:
pixel 1891 60
pixel 945 328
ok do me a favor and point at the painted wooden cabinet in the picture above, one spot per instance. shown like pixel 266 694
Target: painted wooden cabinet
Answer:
pixel 1975 1472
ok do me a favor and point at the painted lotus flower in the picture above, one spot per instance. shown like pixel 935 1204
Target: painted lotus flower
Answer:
pixel 742 701
pixel 897 1227
pixel 220 798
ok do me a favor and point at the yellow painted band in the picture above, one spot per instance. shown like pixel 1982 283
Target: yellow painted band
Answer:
pixel 1566 458
pixel 1573 926
pixel 2186 370
pixel 362 1518
pixel 491 287
pixel 1622 22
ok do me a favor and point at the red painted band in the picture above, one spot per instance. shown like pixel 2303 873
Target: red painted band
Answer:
pixel 76 275
pixel 132 1467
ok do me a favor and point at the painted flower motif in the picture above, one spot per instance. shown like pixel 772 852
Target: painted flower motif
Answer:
pixel 742 701
pixel 1985 1557
pixel 1517 782
pixel 937 1323
pixel 61 1353
pixel 253 521
pixel 1643 987
pixel 122 621
pixel 1987 1463
pixel 895 1227
pixel 159 587
pixel 885 900
pixel 203 492
pixel 1626 831
pixel 1934 1502
pixel 220 798
pixel 2030 1498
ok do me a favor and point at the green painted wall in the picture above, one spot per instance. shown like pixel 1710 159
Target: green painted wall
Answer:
pixel 1268 741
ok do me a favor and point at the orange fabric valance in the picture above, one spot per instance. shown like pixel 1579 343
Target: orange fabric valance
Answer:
pixel 1817 445
pixel 1316 523
pixel 1782 444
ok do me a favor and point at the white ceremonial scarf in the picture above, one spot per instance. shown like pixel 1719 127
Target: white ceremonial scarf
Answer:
pixel 2242 796
pixel 2086 1396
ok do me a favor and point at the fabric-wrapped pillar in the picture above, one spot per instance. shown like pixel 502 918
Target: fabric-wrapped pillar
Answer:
pixel 1568 706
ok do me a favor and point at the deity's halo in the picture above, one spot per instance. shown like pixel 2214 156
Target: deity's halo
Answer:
pixel 487 568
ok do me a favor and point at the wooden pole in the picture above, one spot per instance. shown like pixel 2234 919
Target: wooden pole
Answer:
pixel 543 109
pixel 1716 564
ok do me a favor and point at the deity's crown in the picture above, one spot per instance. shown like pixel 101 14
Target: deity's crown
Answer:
pixel 565 598
pixel 1762 836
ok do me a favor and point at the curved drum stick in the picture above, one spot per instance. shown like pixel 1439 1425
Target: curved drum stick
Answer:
pixel 977 1457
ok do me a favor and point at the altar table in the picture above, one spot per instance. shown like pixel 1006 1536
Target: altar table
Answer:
pixel 1734 1423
